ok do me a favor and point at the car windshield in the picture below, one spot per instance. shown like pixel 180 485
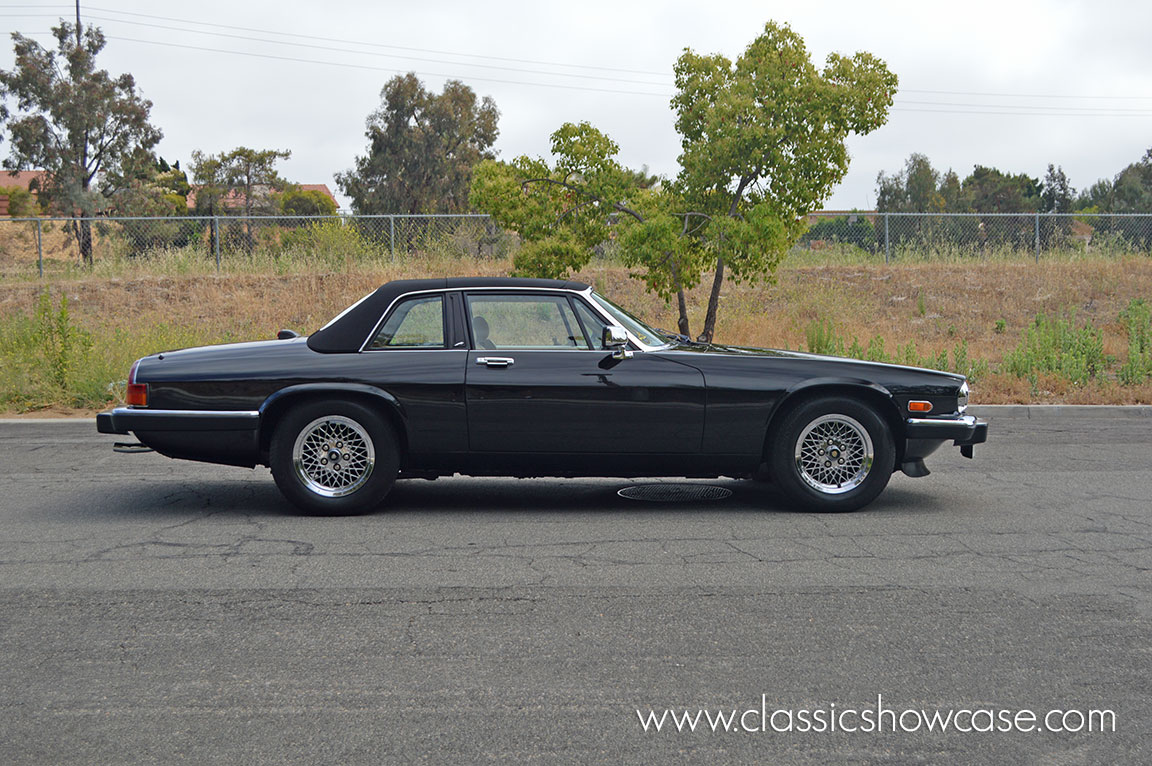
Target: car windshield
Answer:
pixel 638 329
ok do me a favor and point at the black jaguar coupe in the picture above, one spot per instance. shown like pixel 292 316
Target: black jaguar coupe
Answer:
pixel 528 377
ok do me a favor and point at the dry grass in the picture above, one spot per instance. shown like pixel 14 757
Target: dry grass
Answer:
pixel 934 306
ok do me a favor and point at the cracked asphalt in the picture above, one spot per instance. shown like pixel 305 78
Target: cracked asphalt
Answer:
pixel 155 611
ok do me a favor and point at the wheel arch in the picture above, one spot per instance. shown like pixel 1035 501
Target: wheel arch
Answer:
pixel 864 391
pixel 276 406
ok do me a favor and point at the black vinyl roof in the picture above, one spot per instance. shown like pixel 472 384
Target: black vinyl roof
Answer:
pixel 348 333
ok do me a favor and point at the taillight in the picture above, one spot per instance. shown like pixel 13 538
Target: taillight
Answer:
pixel 137 394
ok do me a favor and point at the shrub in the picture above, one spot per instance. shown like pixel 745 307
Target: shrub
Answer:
pixel 1055 344
pixel 1137 318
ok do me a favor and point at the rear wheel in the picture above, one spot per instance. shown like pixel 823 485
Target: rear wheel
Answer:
pixel 831 455
pixel 334 458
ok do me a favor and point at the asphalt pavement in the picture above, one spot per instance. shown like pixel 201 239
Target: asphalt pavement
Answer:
pixel 156 611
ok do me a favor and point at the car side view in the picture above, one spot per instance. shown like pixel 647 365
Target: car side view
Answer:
pixel 526 378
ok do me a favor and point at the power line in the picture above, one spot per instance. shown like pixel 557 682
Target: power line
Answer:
pixel 379 45
pixel 1022 114
pixel 384 69
pixel 1014 95
pixel 964 108
pixel 1039 108
pixel 374 53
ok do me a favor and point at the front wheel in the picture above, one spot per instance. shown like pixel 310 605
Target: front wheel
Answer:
pixel 832 455
pixel 334 458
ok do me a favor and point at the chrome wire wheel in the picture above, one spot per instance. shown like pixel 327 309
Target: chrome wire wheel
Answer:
pixel 834 454
pixel 333 456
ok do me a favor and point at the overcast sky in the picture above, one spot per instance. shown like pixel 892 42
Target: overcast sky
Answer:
pixel 1014 85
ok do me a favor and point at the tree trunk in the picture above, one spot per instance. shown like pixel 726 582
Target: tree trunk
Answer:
pixel 83 231
pixel 682 323
pixel 681 303
pixel 713 303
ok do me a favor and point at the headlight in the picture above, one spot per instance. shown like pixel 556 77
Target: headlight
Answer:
pixel 962 397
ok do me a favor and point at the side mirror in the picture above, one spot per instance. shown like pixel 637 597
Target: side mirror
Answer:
pixel 615 339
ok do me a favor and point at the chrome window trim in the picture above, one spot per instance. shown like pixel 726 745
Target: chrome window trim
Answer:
pixel 586 294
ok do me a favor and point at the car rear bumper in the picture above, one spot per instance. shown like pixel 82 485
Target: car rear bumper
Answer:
pixel 121 420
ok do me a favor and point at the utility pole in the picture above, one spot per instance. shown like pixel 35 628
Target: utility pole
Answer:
pixel 77 24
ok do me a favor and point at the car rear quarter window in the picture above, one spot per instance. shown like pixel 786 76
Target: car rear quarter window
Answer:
pixel 414 323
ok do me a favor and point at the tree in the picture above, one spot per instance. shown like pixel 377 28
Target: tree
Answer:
pixel 74 121
pixel 305 202
pixel 990 190
pixel 243 179
pixel 422 147
pixel 1130 191
pixel 763 145
pixel 148 186
pixel 915 189
pixel 1056 194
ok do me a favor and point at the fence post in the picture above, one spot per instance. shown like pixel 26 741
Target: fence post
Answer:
pixel 887 241
pixel 40 247
pixel 216 240
pixel 392 236
pixel 1037 237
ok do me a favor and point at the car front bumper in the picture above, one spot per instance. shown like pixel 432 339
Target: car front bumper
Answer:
pixel 964 431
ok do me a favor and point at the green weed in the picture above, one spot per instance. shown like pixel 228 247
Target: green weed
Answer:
pixel 1057 345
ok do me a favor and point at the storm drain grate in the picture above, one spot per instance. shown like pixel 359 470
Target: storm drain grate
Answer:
pixel 674 493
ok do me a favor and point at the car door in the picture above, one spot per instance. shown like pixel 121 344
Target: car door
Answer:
pixel 538 381
pixel 417 355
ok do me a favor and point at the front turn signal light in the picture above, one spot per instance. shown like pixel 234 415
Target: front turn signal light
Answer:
pixel 919 406
pixel 137 395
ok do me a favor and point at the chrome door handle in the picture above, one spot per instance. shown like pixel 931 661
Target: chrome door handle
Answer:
pixel 495 361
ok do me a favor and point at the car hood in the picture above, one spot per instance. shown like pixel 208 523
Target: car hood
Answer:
pixel 748 351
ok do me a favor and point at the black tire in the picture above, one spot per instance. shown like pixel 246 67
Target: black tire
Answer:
pixel 359 477
pixel 841 478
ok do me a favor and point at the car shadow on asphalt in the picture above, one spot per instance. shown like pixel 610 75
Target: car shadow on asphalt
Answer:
pixel 165 500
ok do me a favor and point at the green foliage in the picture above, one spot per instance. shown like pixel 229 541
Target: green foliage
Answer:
pixel 824 338
pixel 563 211
pixel 63 344
pixel 43 357
pixel 330 238
pixel 763 144
pixel 422 148
pixel 305 202
pixel 921 306
pixel 763 140
pixel 21 202
pixel 1129 192
pixel 1000 327
pixel 243 180
pixel 1056 345
pixel 1137 319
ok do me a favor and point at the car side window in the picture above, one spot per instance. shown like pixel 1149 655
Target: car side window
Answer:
pixel 592 322
pixel 524 322
pixel 414 323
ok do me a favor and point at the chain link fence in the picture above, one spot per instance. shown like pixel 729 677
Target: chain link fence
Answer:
pixel 938 236
pixel 56 247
